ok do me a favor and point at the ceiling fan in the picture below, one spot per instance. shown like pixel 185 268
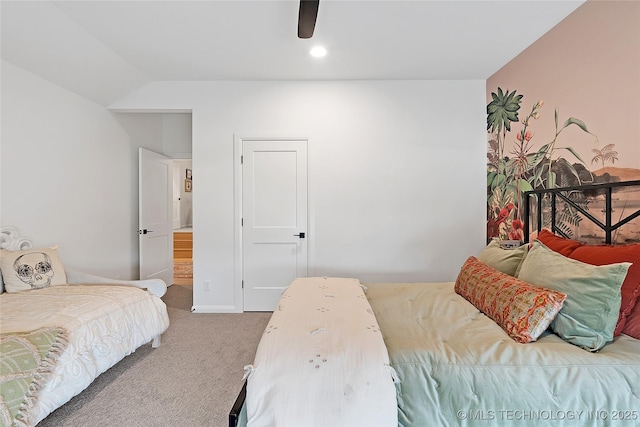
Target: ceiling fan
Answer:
pixel 307 18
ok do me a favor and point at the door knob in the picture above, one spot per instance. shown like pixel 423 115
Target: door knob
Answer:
pixel 301 235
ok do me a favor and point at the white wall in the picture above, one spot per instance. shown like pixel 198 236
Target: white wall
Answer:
pixel 396 172
pixel 66 175
pixel 69 171
pixel 176 135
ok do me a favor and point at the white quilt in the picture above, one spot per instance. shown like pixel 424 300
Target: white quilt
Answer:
pixel 105 323
pixel 322 361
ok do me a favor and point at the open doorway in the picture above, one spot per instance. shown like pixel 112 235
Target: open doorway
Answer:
pixel 182 222
pixel 168 134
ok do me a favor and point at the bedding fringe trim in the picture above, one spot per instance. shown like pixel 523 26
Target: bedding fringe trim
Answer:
pixel 248 370
pixel 43 372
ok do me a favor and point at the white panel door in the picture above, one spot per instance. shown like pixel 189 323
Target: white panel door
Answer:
pixel 155 216
pixel 274 211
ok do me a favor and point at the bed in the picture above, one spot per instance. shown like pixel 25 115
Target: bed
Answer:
pixel 60 329
pixel 548 332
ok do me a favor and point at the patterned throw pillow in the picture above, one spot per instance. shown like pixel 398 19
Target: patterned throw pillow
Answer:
pixel 31 269
pixel 524 311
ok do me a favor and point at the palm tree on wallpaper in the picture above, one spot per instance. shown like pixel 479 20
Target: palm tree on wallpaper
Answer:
pixel 606 154
pixel 501 112
pixel 509 177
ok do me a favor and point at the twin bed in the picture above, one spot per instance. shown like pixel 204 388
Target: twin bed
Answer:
pixel 60 328
pixel 545 333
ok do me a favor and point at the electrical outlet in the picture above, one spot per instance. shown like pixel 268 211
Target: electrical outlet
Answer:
pixel 207 285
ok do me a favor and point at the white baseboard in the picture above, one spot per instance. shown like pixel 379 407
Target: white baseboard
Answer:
pixel 215 309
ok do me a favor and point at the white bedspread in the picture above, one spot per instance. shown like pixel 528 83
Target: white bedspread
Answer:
pixel 105 323
pixel 322 361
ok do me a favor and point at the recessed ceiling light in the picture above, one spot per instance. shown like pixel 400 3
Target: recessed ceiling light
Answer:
pixel 318 52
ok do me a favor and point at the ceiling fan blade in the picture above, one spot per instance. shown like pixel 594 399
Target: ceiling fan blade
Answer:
pixel 307 18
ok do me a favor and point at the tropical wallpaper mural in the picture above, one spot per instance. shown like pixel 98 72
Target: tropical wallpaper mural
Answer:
pixel 565 112
pixel 516 164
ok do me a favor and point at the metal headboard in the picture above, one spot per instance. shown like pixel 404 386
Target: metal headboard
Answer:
pixel 608 227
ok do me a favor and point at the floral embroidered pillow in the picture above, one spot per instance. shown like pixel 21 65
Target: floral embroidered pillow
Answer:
pixel 522 310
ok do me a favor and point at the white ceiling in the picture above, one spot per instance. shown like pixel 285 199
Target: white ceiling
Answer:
pixel 104 50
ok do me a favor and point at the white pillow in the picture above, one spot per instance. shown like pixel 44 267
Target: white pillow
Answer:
pixel 31 269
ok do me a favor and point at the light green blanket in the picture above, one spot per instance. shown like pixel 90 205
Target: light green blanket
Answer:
pixel 27 362
pixel 457 367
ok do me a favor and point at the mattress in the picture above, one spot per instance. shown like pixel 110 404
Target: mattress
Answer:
pixel 104 324
pixel 459 368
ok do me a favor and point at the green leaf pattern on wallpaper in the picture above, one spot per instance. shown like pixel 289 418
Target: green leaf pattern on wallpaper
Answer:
pixel 513 170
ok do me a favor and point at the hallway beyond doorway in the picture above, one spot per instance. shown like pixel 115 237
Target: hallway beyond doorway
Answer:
pixel 183 256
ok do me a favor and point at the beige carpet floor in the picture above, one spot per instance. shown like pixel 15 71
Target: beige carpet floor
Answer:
pixel 192 379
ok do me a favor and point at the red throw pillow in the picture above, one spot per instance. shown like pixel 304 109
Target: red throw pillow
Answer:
pixel 601 255
pixel 632 327
pixel 558 243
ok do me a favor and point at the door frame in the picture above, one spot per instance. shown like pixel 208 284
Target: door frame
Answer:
pixel 238 143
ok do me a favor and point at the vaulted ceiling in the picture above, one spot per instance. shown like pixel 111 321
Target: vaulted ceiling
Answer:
pixel 104 50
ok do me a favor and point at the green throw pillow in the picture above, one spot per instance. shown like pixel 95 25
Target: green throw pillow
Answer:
pixel 505 260
pixel 590 312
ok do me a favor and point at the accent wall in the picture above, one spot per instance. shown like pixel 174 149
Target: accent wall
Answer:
pixel 566 112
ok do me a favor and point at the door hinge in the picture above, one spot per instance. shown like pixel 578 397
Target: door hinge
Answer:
pixel 243 284
pixel 241 160
pixel 241 222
